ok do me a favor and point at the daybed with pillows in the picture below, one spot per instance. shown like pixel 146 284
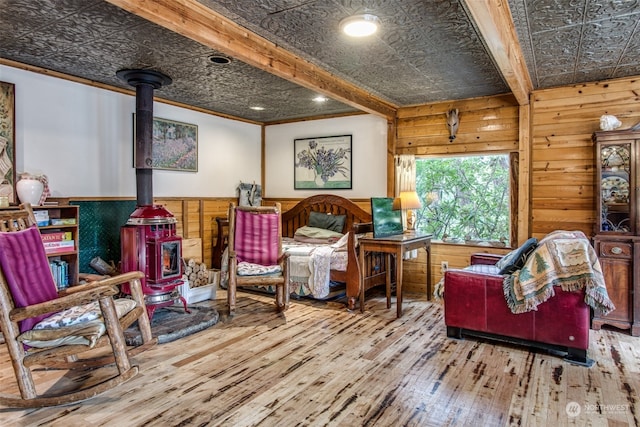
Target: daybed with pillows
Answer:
pixel 338 215
pixel 539 294
pixel 320 237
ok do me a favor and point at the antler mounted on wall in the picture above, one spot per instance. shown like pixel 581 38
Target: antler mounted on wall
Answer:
pixel 452 123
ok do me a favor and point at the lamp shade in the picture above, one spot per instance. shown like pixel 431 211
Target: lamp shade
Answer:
pixel 407 200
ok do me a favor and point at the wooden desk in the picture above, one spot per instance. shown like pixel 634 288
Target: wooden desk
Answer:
pixel 396 245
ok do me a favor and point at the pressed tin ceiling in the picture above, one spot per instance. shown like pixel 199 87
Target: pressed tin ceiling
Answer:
pixel 425 50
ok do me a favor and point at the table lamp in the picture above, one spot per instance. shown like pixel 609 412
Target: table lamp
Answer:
pixel 407 201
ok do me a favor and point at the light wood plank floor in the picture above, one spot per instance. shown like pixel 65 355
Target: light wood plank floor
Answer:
pixel 320 365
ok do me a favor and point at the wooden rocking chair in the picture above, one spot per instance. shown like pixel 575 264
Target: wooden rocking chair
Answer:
pixel 28 295
pixel 255 245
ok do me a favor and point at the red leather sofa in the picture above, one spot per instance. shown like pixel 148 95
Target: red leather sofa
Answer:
pixel 474 304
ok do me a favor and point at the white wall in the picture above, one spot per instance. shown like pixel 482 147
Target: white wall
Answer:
pixel 369 155
pixel 81 137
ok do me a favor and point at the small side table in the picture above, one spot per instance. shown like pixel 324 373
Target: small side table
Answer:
pixel 397 246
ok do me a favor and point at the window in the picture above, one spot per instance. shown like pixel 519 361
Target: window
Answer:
pixel 465 198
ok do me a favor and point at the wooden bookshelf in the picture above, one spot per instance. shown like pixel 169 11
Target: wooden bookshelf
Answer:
pixel 62 218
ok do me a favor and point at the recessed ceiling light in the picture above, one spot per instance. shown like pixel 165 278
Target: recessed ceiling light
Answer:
pixel 257 108
pixel 219 59
pixel 320 98
pixel 360 25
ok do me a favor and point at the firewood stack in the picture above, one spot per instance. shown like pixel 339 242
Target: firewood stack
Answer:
pixel 197 273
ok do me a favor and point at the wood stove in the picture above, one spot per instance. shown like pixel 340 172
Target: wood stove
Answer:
pixel 149 243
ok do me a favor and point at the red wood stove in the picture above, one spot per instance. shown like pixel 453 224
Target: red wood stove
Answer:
pixel 148 241
pixel 149 244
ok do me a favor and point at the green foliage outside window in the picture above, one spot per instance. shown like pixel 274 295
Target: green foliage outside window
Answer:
pixel 464 198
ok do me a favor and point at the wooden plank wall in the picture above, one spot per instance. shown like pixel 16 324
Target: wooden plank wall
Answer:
pixel 196 219
pixel 488 124
pixel 563 162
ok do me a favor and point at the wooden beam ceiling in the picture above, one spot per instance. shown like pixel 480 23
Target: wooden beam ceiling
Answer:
pixel 197 22
pixel 493 19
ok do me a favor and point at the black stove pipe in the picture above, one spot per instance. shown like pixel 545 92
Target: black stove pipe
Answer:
pixel 145 82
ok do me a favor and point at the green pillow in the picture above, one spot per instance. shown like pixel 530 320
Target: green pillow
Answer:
pixel 327 221
pixel 514 260
pixel 317 233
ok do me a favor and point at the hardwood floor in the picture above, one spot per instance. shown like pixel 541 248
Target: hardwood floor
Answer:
pixel 319 364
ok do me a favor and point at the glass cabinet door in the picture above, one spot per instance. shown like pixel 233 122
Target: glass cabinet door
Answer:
pixel 616 187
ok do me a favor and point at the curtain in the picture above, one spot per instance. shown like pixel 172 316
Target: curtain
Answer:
pixel 405 173
pixel 405 177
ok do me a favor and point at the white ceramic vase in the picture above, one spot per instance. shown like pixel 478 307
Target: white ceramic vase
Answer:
pixel 29 189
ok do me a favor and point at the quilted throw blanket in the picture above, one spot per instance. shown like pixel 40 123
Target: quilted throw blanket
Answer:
pixel 310 266
pixel 564 259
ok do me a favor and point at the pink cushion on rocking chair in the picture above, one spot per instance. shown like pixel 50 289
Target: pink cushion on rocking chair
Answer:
pixel 26 270
pixel 256 237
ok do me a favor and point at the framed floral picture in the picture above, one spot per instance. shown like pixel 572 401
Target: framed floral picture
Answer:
pixel 7 143
pixel 174 145
pixel 322 163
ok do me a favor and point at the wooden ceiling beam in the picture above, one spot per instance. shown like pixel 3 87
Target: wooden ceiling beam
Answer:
pixel 197 22
pixel 493 19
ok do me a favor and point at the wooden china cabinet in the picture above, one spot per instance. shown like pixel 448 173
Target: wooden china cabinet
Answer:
pixel 617 233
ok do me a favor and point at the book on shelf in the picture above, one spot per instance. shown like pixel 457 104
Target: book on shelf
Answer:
pixel 42 217
pixel 62 221
pixel 59 246
pixel 61 250
pixel 60 272
pixel 56 236
pixel 53 251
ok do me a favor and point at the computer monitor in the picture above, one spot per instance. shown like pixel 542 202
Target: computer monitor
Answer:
pixel 386 221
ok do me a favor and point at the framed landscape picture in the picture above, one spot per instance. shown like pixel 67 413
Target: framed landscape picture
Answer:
pixel 7 142
pixel 386 221
pixel 174 145
pixel 322 163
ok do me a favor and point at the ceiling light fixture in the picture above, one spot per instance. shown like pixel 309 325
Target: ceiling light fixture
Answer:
pixel 360 25
pixel 256 108
pixel 320 98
